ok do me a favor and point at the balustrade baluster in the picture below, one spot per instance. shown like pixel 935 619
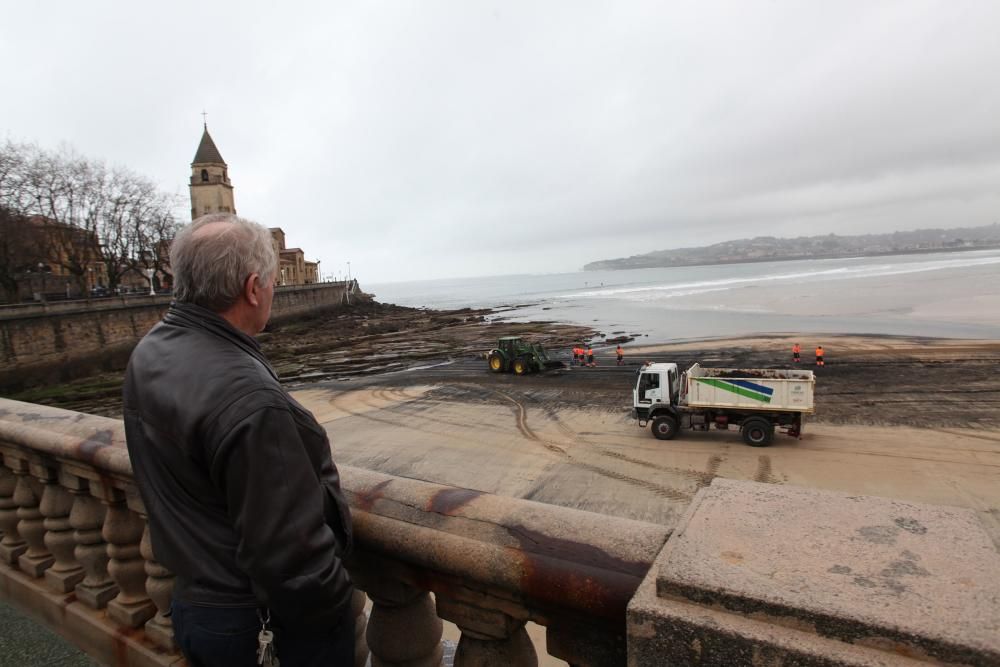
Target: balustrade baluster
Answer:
pixel 87 519
pixel 12 545
pixel 490 638
pixel 37 558
pixel 360 625
pixel 160 588
pixel 123 532
pixel 403 628
pixel 57 503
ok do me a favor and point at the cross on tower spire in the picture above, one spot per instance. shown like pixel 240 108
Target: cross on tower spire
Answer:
pixel 204 118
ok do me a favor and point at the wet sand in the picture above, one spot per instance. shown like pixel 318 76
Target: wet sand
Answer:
pixel 407 392
pixel 902 418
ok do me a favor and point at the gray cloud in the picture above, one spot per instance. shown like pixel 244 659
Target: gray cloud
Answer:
pixel 429 139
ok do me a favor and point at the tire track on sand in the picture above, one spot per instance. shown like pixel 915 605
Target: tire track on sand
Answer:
pixel 701 478
pixel 522 425
pixel 764 473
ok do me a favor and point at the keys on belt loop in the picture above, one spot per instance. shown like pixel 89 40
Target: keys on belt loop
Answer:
pixel 265 643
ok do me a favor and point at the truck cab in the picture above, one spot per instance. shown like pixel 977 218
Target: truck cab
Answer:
pixel 657 386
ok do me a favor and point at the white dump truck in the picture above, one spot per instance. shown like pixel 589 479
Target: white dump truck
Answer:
pixel 757 401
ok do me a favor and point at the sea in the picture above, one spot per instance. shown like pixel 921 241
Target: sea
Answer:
pixel 941 295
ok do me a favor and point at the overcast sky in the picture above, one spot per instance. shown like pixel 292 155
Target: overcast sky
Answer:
pixel 439 139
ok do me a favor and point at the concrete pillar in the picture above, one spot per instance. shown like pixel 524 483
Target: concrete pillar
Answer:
pixel 56 505
pixel 123 532
pixel 160 588
pixel 361 652
pixel 96 588
pixel 12 545
pixel 36 559
pixel 404 628
pixel 490 638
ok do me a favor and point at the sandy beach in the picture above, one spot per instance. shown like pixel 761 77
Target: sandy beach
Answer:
pixel 902 418
pixel 407 392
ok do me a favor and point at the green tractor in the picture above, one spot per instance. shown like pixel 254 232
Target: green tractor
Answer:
pixel 515 354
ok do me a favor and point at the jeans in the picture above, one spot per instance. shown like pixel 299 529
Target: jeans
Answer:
pixel 222 636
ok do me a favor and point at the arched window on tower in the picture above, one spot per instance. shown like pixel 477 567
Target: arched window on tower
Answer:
pixel 204 175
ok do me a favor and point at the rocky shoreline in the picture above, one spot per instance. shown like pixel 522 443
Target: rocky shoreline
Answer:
pixel 364 339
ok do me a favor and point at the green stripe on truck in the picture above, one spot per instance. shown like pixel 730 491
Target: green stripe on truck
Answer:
pixel 728 386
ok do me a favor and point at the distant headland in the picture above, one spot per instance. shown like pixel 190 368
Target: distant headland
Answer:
pixel 772 249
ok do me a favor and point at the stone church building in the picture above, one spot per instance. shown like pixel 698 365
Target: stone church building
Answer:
pixel 212 192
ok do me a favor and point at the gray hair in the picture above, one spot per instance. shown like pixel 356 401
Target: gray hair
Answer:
pixel 210 269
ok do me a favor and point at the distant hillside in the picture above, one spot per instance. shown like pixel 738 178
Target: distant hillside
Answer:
pixel 770 248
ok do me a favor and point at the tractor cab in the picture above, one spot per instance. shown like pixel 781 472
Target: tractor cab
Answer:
pixel 511 346
pixel 513 353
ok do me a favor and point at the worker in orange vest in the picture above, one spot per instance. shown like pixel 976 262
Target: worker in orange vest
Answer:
pixel 796 350
pixel 590 356
pixel 819 356
pixel 621 355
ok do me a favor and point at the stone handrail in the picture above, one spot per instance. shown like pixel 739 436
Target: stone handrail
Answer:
pixel 75 551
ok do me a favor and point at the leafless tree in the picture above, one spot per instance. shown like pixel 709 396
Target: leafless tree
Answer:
pixel 83 213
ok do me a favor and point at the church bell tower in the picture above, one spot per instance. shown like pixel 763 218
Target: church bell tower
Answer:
pixel 211 190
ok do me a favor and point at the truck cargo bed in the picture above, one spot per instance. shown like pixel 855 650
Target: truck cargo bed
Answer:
pixel 749 389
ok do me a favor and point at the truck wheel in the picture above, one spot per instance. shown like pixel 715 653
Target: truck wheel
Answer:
pixel 757 432
pixel 664 428
pixel 496 362
pixel 521 366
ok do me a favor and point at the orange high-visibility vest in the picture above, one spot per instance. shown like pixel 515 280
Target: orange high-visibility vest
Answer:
pixel 819 351
pixel 796 348
pixel 619 349
pixel 590 351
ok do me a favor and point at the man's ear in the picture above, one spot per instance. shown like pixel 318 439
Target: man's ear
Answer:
pixel 251 289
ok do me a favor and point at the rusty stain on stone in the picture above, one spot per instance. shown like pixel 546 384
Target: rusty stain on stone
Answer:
pixel 533 541
pixel 37 417
pixel 366 499
pixel 95 443
pixel 121 637
pixel 447 501
pixel 559 570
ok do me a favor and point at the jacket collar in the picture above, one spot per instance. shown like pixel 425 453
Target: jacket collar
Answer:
pixel 191 316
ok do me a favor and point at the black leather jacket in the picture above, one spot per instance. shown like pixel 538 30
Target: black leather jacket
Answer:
pixel 244 500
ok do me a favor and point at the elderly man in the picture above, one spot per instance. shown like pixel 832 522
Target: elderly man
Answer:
pixel 244 500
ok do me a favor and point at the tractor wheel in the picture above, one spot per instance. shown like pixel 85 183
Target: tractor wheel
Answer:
pixel 521 366
pixel 757 432
pixel 496 362
pixel 665 427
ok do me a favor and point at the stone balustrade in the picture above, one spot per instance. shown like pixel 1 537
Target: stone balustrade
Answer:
pixel 754 574
pixel 75 554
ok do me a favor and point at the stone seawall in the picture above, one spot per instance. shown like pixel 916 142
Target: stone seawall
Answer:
pixel 49 343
